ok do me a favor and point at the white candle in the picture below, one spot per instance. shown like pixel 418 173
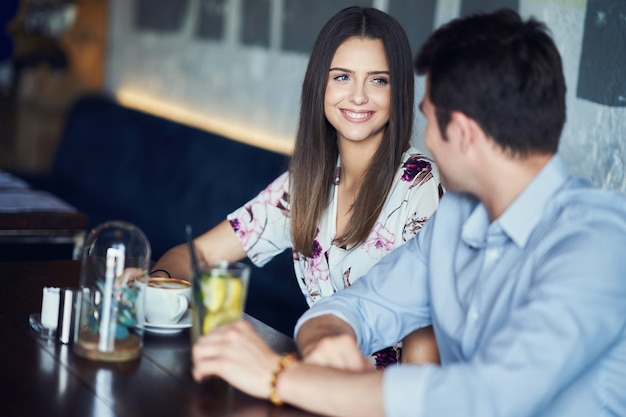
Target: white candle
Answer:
pixel 50 307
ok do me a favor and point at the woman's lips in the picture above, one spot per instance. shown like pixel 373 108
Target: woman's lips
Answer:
pixel 357 116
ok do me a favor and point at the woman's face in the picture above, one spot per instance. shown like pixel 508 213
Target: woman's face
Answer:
pixel 358 92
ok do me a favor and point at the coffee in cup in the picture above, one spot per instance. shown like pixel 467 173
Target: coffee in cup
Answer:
pixel 167 300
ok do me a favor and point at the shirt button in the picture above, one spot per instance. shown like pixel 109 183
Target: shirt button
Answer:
pixel 493 254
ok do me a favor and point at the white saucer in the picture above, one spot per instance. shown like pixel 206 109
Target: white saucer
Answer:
pixel 184 323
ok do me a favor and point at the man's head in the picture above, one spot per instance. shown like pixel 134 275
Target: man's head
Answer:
pixel 501 71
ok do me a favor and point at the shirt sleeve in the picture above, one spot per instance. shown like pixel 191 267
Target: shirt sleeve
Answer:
pixel 263 224
pixel 385 304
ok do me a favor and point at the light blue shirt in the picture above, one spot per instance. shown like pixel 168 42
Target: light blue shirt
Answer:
pixel 529 311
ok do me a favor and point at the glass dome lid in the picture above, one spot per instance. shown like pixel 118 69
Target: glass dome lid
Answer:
pixel 115 261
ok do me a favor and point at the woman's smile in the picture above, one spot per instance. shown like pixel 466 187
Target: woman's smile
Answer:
pixel 357 116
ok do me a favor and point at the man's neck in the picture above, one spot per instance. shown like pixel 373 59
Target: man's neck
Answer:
pixel 506 179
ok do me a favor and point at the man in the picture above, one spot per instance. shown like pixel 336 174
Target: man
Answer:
pixel 519 271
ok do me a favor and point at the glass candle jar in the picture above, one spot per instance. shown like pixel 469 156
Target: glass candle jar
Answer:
pixel 114 274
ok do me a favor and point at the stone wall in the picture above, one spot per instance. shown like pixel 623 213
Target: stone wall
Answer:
pixel 236 66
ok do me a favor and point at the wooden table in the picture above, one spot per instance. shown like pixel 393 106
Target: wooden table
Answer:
pixel 30 216
pixel 39 377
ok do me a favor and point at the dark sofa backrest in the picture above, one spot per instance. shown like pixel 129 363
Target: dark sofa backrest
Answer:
pixel 155 173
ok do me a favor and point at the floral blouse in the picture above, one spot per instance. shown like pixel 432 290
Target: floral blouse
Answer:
pixel 263 226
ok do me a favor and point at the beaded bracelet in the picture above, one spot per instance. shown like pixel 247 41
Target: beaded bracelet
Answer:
pixel 285 360
pixel 161 270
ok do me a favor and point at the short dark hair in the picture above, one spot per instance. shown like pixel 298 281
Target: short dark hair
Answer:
pixel 501 71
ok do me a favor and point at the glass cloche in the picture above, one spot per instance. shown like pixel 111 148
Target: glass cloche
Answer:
pixel 115 262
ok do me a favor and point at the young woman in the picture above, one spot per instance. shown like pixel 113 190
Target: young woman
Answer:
pixel 355 189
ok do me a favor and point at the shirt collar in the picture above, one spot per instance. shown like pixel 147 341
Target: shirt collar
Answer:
pixel 520 219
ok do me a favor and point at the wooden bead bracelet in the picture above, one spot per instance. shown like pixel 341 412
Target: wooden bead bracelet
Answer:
pixel 285 360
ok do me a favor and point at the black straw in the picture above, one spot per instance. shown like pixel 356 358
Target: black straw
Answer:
pixel 195 280
pixel 192 252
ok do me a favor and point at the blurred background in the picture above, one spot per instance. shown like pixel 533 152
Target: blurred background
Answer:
pixel 235 67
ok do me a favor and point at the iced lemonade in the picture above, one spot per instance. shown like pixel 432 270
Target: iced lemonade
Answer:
pixel 219 298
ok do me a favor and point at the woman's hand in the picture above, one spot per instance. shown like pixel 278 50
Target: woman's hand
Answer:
pixel 236 353
pixel 339 352
pixel 329 341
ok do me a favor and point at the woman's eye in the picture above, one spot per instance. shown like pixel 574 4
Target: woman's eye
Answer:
pixel 380 81
pixel 342 77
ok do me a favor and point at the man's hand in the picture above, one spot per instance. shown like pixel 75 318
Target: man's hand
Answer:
pixel 238 354
pixel 329 341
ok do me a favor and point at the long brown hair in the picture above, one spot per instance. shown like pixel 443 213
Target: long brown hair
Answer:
pixel 312 166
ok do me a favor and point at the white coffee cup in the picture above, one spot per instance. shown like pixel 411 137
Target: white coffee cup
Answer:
pixel 167 300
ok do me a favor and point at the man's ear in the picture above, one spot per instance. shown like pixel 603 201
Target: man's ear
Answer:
pixel 462 127
pixel 468 131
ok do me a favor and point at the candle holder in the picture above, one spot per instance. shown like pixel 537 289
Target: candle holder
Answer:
pixel 114 275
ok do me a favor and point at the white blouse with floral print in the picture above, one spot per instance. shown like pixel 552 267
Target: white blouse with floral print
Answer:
pixel 264 228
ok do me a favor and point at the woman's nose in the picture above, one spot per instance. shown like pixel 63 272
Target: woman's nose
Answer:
pixel 358 95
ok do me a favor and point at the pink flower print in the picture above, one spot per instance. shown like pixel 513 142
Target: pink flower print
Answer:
pixel 312 286
pixel 283 205
pixel 319 268
pixel 380 242
pixel 248 231
pixel 412 226
pixel 413 166
pixel 234 223
pixel 275 193
pixel 386 357
pixel 315 270
pixel 418 170
pixel 316 251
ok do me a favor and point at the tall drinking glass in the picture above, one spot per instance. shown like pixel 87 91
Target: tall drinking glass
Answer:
pixel 219 295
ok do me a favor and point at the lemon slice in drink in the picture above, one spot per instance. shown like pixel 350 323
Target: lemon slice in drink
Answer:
pixel 213 320
pixel 213 292
pixel 235 292
pixel 223 301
